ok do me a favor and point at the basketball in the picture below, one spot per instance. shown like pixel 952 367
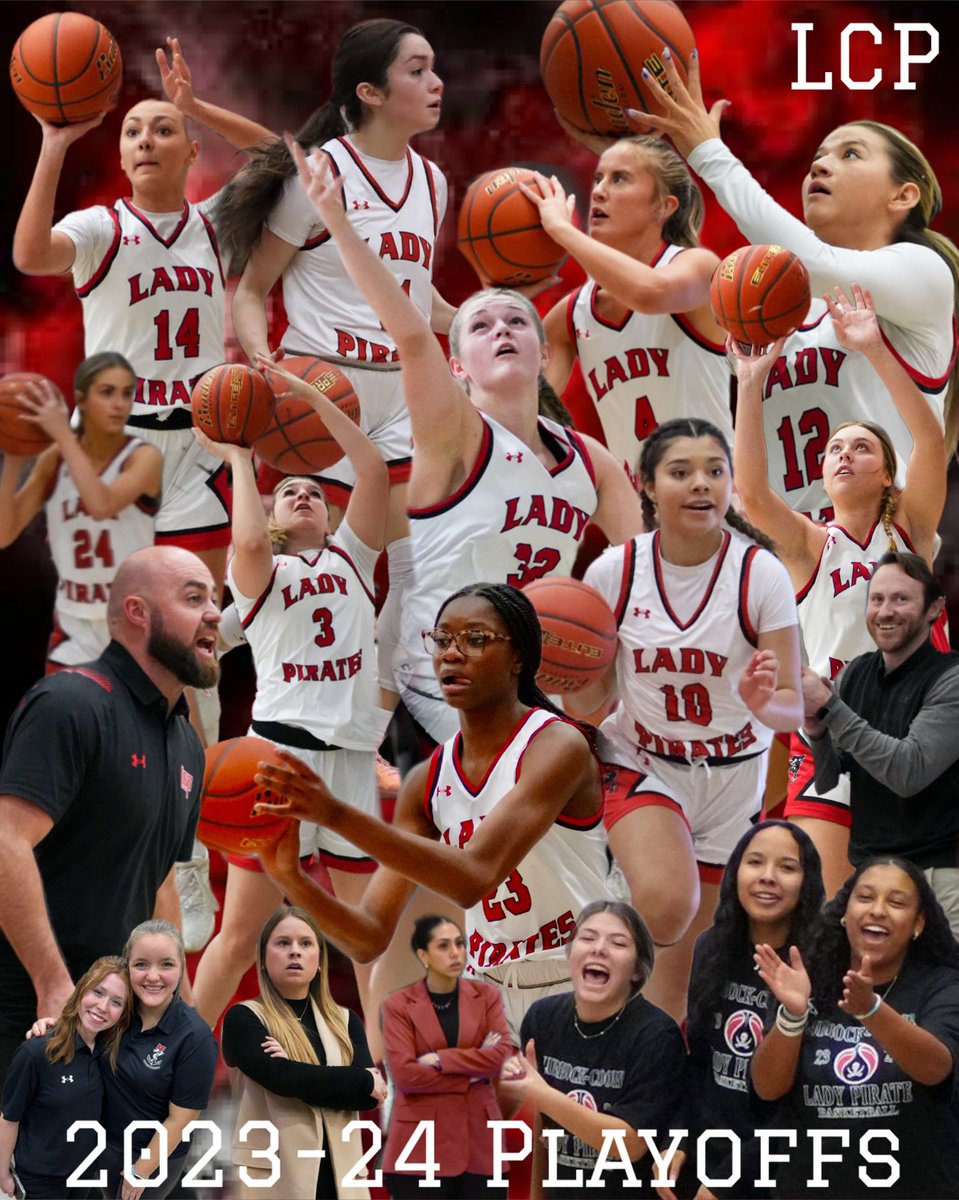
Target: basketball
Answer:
pixel 66 68
pixel 579 633
pixel 19 437
pixel 760 293
pixel 229 794
pixel 296 441
pixel 500 233
pixel 232 403
pixel 593 54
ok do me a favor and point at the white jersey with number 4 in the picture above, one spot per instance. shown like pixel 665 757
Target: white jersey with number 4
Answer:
pixel 686 634
pixel 152 288
pixel 532 913
pixel 88 552
pixel 646 369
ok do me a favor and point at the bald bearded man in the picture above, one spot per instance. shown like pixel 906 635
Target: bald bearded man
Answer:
pixel 100 786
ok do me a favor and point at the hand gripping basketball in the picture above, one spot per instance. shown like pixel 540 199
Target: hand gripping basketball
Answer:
pixel 304 795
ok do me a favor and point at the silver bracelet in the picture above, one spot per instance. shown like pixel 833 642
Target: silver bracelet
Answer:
pixel 790 1025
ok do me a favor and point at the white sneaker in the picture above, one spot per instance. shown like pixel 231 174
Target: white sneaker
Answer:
pixel 198 905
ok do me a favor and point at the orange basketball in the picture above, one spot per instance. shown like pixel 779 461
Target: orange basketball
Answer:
pixel 229 794
pixel 296 441
pixel 579 633
pixel 500 233
pixel 593 54
pixel 760 293
pixel 66 67
pixel 232 403
pixel 17 436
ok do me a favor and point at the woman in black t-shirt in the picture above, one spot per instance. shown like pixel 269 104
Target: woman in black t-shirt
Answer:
pixel 301 1068
pixel 771 892
pixel 600 1063
pixel 870 1068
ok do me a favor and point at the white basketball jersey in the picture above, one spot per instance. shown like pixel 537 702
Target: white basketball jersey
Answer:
pixel 532 913
pixel 832 605
pixel 677 679
pixel 87 552
pixel 160 302
pixel 647 369
pixel 327 314
pixel 815 385
pixel 311 634
pixel 513 520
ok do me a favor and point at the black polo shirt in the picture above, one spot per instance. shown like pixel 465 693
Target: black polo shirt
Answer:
pixel 46 1098
pixel 172 1063
pixel 95 748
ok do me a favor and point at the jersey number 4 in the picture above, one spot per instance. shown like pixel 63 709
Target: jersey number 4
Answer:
pixel 533 564
pixel 187 337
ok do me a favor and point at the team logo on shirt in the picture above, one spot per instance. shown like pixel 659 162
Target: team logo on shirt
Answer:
pixel 154 1060
pixel 856 1064
pixel 186 780
pixel 795 766
pixel 743 1032
pixel 581 1096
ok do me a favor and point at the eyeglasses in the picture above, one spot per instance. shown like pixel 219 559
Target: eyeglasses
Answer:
pixel 471 642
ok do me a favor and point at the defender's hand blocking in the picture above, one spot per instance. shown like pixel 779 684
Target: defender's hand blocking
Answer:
pixel 321 185
pixel 685 119
pixel 177 78
pixel 855 320
pixel 555 207
pixel 305 796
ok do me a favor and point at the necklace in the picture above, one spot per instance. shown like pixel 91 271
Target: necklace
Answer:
pixel 886 988
pixel 302 1013
pixel 442 1007
pixel 588 1037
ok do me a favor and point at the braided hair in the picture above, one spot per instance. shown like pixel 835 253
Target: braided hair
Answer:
pixel 517 613
pixel 656 445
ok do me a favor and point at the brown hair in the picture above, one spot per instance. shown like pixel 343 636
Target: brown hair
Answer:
pixel 890 493
pixel 61 1043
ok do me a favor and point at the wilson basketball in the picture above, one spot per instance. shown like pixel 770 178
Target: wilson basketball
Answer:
pixel 579 633
pixel 229 794
pixel 19 437
pixel 66 68
pixel 232 403
pixel 593 54
pixel 296 441
pixel 760 293
pixel 500 233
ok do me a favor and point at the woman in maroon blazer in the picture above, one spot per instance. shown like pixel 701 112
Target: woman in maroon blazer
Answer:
pixel 446 1040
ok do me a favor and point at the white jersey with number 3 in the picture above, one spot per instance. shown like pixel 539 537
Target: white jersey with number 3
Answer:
pixel 532 913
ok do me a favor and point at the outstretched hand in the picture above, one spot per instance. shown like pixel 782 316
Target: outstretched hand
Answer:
pixel 176 77
pixel 855 320
pixel 324 189
pixel 753 363
pixel 684 118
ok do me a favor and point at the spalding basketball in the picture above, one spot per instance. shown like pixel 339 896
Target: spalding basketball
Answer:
pixel 229 794
pixel 593 54
pixel 66 68
pixel 296 441
pixel 579 633
pixel 17 436
pixel 232 403
pixel 500 233
pixel 760 293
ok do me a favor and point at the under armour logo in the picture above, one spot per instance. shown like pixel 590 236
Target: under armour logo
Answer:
pixel 444 791
pixel 582 333
pixel 138 760
pixel 361 204
pixel 642 612
pixel 135 239
pixel 66 1079
pixel 518 457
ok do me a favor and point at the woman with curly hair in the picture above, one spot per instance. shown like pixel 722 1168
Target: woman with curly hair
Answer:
pixel 866 1041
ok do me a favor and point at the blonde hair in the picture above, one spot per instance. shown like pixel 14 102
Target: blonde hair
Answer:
pixel 909 165
pixel 673 179
pixel 890 493
pixel 279 1020
pixel 62 1041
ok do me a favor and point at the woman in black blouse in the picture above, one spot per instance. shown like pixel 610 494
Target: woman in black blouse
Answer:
pixel 301 1064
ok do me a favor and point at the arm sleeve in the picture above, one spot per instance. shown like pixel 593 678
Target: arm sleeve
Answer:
pixel 321 1086
pixel 294 219
pixel 92 231
pixel 909 764
pixel 911 285
pixel 771 602
pixel 20 1084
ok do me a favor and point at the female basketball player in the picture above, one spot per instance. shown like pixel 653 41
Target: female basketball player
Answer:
pixel 384 91
pixel 505 818
pixel 149 278
pixel 642 327
pixel 101 491
pixel 869 198
pixel 707 667
pixel 830 565
pixel 306 603
pixel 496 492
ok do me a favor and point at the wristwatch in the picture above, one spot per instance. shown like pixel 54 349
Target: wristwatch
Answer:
pixel 821 712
